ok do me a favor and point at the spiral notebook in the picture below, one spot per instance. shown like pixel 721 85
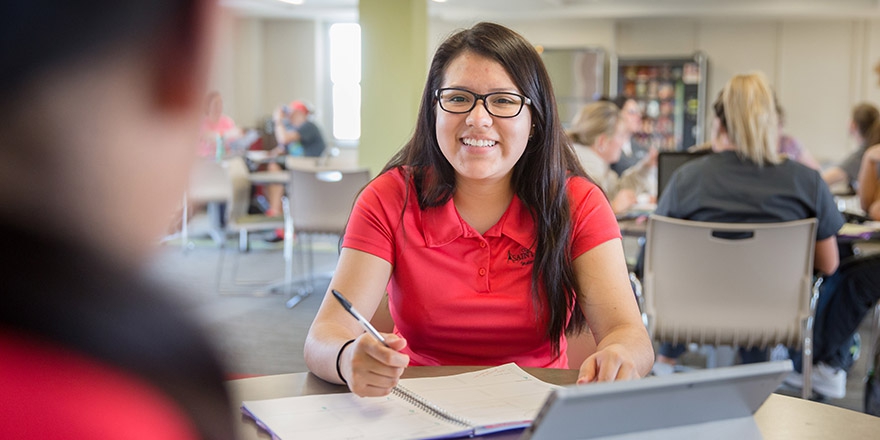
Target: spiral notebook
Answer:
pixel 481 402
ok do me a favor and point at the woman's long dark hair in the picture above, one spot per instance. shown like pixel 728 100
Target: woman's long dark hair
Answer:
pixel 539 177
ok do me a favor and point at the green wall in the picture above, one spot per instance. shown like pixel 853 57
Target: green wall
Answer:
pixel 394 67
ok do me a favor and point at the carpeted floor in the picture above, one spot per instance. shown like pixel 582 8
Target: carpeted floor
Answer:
pixel 253 329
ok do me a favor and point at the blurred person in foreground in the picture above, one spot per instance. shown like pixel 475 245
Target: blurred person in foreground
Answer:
pixel 100 106
pixel 490 240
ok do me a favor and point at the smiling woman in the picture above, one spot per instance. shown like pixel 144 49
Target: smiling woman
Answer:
pixel 482 145
pixel 489 239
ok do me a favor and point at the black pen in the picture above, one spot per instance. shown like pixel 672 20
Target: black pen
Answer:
pixel 366 324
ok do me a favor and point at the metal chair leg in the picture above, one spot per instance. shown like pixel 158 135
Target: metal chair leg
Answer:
pixel 807 359
pixel 243 243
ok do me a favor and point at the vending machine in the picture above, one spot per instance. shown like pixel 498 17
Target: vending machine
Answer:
pixel 672 95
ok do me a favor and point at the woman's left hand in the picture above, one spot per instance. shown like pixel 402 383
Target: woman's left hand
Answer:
pixel 609 364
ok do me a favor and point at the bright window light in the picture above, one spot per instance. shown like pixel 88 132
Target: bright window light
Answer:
pixel 347 111
pixel 345 74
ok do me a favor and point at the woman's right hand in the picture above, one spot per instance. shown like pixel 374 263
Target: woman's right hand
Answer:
pixel 372 369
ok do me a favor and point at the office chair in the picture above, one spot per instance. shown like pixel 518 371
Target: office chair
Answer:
pixel 320 203
pixel 746 285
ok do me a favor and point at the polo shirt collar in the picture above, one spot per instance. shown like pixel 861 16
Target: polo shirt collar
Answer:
pixel 442 225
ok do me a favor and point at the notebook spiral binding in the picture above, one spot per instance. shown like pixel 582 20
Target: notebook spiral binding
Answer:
pixel 425 405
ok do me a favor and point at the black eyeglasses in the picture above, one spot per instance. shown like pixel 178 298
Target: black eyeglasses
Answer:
pixel 498 104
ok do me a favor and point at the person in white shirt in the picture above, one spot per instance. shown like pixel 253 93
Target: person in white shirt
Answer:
pixel 598 133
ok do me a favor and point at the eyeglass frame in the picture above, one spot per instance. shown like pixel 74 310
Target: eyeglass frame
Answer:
pixel 478 97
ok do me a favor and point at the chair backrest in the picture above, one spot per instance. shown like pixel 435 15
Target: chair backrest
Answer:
pixel 321 199
pixel 208 182
pixel 742 284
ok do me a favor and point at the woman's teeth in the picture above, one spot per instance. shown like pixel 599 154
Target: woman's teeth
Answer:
pixel 478 142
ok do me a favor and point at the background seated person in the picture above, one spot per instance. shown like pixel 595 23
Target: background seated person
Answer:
pixel 846 297
pixel 865 128
pixel 747 181
pixel 598 134
pixel 296 136
pixel 489 238
pixel 790 147
pixel 631 115
pixel 215 124
pixel 869 182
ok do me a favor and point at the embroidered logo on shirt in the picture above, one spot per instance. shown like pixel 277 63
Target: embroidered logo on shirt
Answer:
pixel 523 257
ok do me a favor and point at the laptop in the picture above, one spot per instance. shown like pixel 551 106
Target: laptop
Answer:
pixel 714 403
pixel 669 161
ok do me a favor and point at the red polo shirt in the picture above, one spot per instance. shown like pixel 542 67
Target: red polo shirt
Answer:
pixel 458 297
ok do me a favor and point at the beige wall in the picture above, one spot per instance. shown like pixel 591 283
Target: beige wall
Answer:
pixel 548 33
pixel 264 63
pixel 820 68
pixel 814 83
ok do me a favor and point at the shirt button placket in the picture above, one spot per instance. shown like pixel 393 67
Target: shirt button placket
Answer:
pixel 487 260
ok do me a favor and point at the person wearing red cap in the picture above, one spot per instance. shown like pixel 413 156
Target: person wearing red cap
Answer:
pixel 296 136
pixel 295 133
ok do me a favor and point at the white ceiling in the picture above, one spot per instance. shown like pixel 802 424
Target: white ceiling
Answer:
pixel 545 9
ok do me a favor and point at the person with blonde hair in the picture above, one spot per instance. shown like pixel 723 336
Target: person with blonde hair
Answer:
pixel 598 134
pixel 748 181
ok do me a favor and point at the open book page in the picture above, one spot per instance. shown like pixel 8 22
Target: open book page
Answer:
pixel 494 399
pixel 864 230
pixel 346 416
pixel 505 395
